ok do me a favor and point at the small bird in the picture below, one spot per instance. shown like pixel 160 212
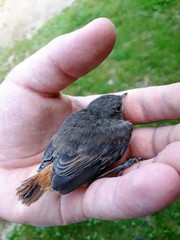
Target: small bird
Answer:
pixel 86 143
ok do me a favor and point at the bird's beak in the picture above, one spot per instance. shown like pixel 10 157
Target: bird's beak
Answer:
pixel 124 95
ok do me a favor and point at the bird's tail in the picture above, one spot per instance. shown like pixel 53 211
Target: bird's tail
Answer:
pixel 34 187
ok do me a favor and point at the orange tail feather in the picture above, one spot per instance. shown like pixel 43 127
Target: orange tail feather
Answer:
pixel 34 187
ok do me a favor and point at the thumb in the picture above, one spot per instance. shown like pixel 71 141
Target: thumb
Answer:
pixel 66 58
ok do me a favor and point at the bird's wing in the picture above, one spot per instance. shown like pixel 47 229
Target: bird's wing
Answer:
pixel 73 171
pixel 80 158
pixel 82 161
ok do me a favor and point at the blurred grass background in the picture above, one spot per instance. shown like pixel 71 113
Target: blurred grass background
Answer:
pixel 147 52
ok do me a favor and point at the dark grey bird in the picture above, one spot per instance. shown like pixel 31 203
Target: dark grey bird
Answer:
pixel 86 143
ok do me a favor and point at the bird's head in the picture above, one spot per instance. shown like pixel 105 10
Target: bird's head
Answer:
pixel 107 106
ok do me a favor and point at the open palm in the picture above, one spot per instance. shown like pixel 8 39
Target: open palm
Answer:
pixel 32 109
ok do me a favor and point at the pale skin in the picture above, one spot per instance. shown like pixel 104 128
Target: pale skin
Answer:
pixel 32 109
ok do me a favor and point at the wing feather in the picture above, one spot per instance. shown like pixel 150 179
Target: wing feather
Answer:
pixel 79 153
pixel 66 165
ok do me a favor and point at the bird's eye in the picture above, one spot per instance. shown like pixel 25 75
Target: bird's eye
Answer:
pixel 118 109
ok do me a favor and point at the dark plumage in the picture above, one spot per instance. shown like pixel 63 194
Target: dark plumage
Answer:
pixel 86 143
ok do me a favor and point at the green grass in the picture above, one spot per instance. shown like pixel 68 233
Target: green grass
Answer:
pixel 162 226
pixel 146 53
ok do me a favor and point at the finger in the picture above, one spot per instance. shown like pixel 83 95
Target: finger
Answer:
pixel 153 104
pixel 147 189
pixel 170 156
pixel 138 193
pixel 148 142
pixel 66 58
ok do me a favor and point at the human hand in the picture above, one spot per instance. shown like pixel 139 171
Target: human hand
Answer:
pixel 32 110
